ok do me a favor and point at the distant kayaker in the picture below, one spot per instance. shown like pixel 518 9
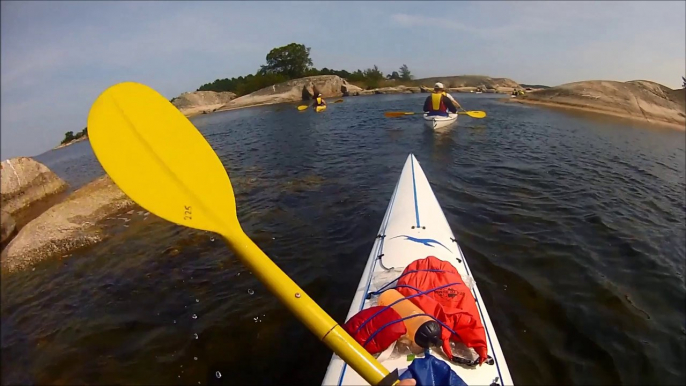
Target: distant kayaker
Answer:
pixel 440 102
pixel 318 101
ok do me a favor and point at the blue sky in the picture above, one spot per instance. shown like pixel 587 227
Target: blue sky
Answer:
pixel 58 56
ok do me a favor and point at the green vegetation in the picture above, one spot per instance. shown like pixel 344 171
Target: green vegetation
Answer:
pixel 393 76
pixel 70 136
pixel 293 61
pixel 405 73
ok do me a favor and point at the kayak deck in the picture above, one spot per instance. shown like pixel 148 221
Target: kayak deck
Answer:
pixel 413 228
pixel 438 122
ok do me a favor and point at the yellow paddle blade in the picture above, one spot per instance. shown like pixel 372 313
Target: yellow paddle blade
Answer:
pixel 147 146
pixel 162 162
pixel 302 107
pixel 395 114
pixel 474 114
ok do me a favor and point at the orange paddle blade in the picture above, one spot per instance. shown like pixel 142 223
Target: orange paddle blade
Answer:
pixel 395 114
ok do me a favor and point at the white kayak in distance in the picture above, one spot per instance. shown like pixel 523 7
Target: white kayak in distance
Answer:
pixel 438 122
pixel 413 228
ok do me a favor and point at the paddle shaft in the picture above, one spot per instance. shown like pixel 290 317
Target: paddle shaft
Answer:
pixel 307 311
pixel 397 114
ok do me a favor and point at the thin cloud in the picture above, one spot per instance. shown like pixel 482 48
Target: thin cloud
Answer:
pixel 499 32
pixel 178 35
pixel 426 21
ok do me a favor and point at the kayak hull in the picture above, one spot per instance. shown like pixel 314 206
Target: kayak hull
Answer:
pixel 319 109
pixel 438 122
pixel 415 227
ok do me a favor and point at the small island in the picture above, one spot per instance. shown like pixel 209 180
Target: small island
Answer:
pixel 71 138
pixel 289 76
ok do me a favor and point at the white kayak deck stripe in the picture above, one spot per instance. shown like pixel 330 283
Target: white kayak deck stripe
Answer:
pixel 414 187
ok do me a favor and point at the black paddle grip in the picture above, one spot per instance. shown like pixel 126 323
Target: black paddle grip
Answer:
pixel 390 379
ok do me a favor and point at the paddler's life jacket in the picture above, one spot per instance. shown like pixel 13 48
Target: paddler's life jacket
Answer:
pixel 437 104
pixel 449 300
pixel 318 101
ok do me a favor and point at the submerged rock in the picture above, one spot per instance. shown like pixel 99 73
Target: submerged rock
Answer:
pixel 28 188
pixel 66 226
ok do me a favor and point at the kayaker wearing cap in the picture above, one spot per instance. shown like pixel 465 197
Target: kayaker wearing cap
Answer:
pixel 439 102
pixel 318 101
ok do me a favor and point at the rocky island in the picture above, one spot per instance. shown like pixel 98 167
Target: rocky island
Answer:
pixel 639 99
pixel 330 86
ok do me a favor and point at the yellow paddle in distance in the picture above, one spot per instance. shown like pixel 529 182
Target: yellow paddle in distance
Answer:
pixel 161 161
pixel 395 114
pixel 474 114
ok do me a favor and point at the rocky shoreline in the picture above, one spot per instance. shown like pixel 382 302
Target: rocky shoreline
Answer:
pixel 566 106
pixel 69 225
pixel 637 100
pixel 40 220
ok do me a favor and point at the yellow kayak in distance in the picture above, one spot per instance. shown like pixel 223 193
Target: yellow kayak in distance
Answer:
pixel 319 109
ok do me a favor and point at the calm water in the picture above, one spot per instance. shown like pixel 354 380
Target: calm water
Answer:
pixel 573 225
